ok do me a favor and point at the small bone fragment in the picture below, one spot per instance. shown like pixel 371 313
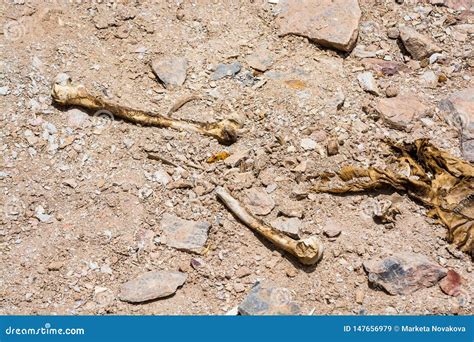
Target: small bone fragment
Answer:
pixel 308 251
pixel 65 93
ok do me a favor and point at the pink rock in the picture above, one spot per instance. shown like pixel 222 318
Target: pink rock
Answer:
pixel 331 23
pixel 401 112
pixel 387 68
pixel 451 284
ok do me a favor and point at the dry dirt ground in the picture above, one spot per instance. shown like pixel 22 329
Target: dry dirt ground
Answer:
pixel 81 207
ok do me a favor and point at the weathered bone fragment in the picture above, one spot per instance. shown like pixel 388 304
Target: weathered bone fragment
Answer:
pixel 64 92
pixel 308 251
pixel 437 179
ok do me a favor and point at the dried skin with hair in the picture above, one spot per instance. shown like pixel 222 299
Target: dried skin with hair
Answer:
pixel 440 181
pixel 65 93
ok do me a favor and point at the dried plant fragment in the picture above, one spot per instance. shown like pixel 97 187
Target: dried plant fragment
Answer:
pixel 441 182
pixel 65 93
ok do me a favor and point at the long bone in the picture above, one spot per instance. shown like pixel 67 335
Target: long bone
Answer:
pixel 64 92
pixel 308 251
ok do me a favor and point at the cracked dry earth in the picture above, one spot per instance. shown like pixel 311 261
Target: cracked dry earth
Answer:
pixel 86 214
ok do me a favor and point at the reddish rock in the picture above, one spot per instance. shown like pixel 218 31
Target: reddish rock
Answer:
pixel 331 23
pixel 418 45
pixel 451 284
pixel 387 68
pixel 151 285
pixel 404 273
pixel 401 112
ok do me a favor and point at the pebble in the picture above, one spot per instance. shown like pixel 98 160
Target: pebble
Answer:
pixel 289 226
pixel 332 229
pixel 76 117
pixel 172 72
pixel 404 273
pixel 451 284
pixel 332 147
pixel 151 285
pixel 368 83
pixel 224 70
pixel 261 60
pixel 243 272
pixel 359 296
pixel 393 33
pixel 55 266
pixel 4 90
pixel 267 299
pixel 190 236
pixel 290 208
pixel 41 215
pixel 308 144
pixel 238 287
pixel 258 201
pixel 236 158
pixel 391 91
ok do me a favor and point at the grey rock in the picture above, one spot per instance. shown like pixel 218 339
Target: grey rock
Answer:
pixel 4 90
pixel 151 285
pixel 258 201
pixel 289 226
pixel 224 70
pixel 182 234
pixel 404 273
pixel 41 215
pixel 267 299
pixel 308 144
pixel 172 71
pixel 76 117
